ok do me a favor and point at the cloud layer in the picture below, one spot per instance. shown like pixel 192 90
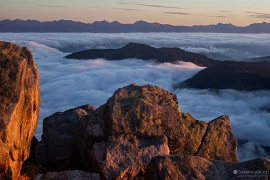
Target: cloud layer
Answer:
pixel 70 83
pixel 237 46
pixel 151 5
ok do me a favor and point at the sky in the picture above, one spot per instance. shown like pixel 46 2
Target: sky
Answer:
pixel 176 12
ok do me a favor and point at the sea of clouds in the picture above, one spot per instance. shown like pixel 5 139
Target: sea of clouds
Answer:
pixel 67 83
pixel 236 46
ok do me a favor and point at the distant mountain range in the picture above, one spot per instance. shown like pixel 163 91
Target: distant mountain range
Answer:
pixel 116 27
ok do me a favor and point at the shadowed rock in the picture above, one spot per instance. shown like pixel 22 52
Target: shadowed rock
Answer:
pixel 19 105
pixel 68 175
pixel 58 149
pixel 91 130
pixel 193 167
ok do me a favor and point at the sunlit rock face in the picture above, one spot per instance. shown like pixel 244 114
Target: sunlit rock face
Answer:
pixel 19 107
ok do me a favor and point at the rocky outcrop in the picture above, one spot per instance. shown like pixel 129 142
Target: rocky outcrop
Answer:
pixel 144 52
pixel 218 141
pixel 20 99
pixel 58 149
pixel 213 140
pixel 139 133
pixel 68 175
pixel 194 167
pixel 152 111
pixel 136 124
pixel 149 111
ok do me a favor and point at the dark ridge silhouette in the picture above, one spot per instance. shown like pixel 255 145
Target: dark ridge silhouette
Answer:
pixel 116 27
pixel 145 52
pixel 216 56
pixel 259 59
pixel 244 75
pixel 232 75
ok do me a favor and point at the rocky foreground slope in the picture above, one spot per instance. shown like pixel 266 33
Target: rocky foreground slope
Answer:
pixel 139 133
pixel 19 107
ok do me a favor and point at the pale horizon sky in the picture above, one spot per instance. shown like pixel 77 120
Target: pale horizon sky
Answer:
pixel 176 12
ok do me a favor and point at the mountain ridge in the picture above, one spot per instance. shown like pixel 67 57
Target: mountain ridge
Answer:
pixel 144 52
pixel 66 26
pixel 251 74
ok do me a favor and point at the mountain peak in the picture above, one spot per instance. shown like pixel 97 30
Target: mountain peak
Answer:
pixel 136 45
pixel 141 22
pixel 115 22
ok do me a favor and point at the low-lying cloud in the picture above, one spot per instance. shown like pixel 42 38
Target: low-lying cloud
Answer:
pixel 236 46
pixel 259 15
pixel 69 83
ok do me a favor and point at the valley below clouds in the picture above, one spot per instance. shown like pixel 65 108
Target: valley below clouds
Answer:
pixel 67 83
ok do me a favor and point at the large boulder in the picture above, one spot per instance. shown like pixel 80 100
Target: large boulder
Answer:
pixel 58 149
pixel 146 110
pixel 19 105
pixel 194 167
pixel 152 111
pixel 218 142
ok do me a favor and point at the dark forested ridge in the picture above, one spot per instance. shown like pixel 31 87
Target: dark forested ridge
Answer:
pixel 252 74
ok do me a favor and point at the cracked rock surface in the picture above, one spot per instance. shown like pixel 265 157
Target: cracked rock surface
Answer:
pixel 19 107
